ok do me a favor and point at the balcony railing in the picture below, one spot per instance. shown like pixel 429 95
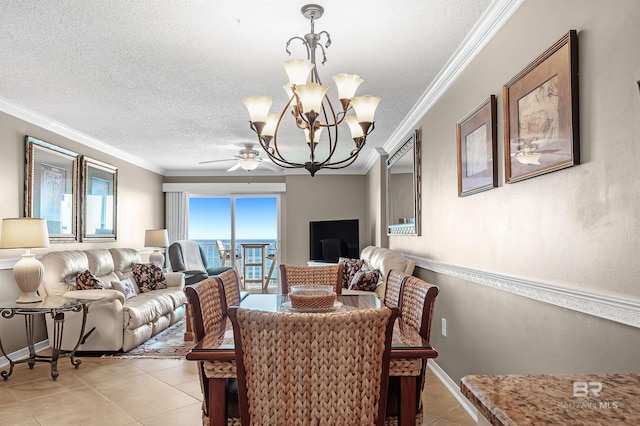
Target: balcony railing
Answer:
pixel 253 272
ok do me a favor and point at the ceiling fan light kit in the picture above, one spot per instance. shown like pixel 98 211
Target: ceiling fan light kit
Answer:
pixel 312 109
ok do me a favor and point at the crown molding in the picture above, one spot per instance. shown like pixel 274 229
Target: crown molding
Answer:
pixel 37 119
pixel 625 310
pixel 480 35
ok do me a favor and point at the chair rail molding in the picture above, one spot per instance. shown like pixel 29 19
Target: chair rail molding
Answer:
pixel 7 263
pixel 625 310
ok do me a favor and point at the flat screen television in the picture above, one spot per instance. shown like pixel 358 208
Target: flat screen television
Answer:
pixel 331 239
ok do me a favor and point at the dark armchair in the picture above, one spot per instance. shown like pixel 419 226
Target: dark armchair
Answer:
pixel 188 257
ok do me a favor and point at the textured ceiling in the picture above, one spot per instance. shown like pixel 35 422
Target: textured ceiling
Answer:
pixel 162 81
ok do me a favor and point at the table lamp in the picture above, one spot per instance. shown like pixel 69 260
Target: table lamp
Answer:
pixel 156 238
pixel 26 233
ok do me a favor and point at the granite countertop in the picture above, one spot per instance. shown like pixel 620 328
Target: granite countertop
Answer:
pixel 556 399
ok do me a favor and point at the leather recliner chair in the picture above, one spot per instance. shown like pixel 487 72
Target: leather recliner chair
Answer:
pixel 188 257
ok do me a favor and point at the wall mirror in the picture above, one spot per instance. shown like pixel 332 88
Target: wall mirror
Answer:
pixel 403 188
pixel 51 188
pixel 99 200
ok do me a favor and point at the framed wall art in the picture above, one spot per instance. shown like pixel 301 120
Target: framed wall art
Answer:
pixel 51 188
pixel 99 200
pixel 542 132
pixel 477 143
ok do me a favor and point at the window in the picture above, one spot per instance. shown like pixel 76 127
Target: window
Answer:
pixel 234 221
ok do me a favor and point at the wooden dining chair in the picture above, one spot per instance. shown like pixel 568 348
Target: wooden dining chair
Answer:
pixel 417 299
pixel 311 275
pixel 393 286
pixel 229 282
pixel 207 317
pixel 303 369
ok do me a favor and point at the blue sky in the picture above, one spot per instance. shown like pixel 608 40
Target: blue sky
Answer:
pixel 210 218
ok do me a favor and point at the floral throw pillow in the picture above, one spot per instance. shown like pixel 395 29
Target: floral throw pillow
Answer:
pixel 365 280
pixel 87 281
pixel 351 266
pixel 149 277
pixel 125 287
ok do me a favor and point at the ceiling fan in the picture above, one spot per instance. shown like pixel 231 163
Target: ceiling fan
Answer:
pixel 247 159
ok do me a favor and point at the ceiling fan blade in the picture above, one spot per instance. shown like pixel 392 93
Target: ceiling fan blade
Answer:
pixel 217 161
pixel 235 167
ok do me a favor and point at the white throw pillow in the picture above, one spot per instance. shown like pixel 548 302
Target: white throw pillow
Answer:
pixel 126 287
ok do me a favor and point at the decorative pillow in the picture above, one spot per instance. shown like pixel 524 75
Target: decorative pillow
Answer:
pixel 129 275
pixel 125 287
pixel 351 266
pixel 365 280
pixel 148 276
pixel 87 281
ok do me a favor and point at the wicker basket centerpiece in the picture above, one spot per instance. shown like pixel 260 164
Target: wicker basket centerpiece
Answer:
pixel 312 297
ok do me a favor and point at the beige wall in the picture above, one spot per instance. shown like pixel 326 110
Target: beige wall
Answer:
pixel 376 204
pixel 323 197
pixel 577 228
pixel 140 207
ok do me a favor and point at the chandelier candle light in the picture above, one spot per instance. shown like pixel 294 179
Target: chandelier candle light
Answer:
pixel 312 109
pixel 26 233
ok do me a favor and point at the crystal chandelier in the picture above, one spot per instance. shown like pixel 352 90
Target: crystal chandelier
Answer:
pixel 311 108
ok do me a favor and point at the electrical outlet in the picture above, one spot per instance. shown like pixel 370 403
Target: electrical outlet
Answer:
pixel 444 327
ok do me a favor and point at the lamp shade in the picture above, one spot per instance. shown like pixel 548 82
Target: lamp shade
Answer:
pixel 24 232
pixel 298 70
pixel 354 126
pixel 311 96
pixel 365 107
pixel 156 238
pixel 258 107
pixel 347 85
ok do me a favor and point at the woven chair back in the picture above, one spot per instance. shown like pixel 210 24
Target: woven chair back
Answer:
pixel 206 307
pixel 311 275
pixel 393 286
pixel 313 369
pixel 230 284
pixel 418 297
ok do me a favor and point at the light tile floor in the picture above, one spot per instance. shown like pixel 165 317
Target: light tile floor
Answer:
pixel 140 391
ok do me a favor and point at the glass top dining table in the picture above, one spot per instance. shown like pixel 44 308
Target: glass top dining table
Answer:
pixel 406 344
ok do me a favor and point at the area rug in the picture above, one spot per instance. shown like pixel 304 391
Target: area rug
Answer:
pixel 168 343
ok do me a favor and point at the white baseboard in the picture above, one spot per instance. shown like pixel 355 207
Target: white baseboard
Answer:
pixel 23 353
pixel 454 389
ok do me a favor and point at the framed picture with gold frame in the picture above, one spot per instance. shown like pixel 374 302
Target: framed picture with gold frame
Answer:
pixel 541 132
pixel 51 188
pixel 477 143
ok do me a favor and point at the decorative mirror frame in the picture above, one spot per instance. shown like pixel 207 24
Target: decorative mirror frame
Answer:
pixel 51 173
pixel 99 179
pixel 407 225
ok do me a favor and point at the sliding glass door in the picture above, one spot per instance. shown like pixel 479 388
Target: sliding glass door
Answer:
pixel 238 231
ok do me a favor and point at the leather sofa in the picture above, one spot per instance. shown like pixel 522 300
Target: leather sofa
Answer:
pixel 384 260
pixel 117 323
